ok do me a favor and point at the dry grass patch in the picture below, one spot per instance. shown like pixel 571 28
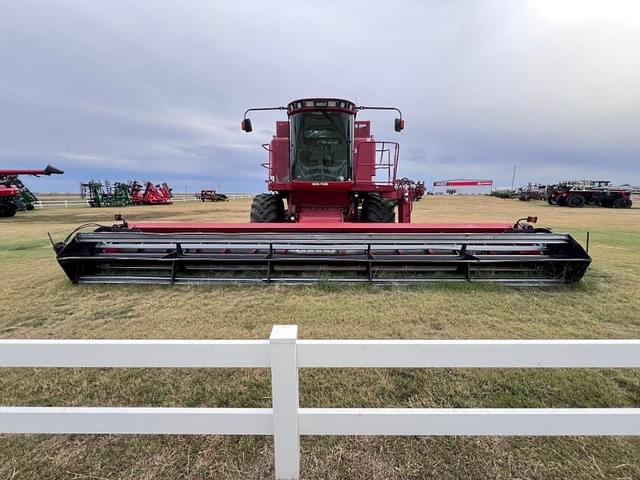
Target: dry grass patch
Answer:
pixel 39 302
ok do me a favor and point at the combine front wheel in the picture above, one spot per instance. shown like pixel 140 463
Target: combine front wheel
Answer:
pixel 267 208
pixel 378 210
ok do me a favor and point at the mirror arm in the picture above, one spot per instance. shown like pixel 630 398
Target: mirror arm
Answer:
pixel 262 109
pixel 381 108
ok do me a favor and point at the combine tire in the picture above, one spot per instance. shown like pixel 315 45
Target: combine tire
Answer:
pixel 576 201
pixel 8 209
pixel 552 201
pixel 378 210
pixel 622 203
pixel 267 208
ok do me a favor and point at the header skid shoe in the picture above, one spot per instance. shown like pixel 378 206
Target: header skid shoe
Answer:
pixel 304 254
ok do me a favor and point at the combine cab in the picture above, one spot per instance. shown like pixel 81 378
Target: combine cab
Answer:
pixel 335 212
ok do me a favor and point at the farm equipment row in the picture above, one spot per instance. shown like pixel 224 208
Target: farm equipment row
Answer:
pixel 330 215
pixel 533 191
pixel 14 195
pixel 577 194
pixel 418 189
pixel 121 194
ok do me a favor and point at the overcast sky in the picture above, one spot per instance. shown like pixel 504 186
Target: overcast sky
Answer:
pixel 150 89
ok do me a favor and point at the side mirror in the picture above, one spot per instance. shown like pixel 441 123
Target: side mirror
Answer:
pixel 399 124
pixel 246 125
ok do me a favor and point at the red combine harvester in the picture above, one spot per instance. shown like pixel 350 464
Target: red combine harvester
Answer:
pixel 338 224
pixel 14 195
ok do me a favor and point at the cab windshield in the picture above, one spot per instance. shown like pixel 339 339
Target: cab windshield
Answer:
pixel 320 147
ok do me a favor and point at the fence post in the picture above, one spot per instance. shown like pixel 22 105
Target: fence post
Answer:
pixel 284 393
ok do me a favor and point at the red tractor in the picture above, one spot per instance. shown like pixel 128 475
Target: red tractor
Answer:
pixel 14 195
pixel 330 216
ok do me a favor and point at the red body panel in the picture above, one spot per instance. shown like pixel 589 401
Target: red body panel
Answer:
pixel 346 227
pixel 8 191
pixel 365 167
pixel 22 172
pixel 282 129
pixel 279 160
pixel 321 215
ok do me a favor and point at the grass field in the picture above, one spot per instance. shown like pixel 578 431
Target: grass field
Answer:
pixel 39 302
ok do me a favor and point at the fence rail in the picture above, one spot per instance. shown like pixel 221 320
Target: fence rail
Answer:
pixel 284 354
pixel 85 202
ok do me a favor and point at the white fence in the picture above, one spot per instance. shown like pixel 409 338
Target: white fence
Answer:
pixel 284 354
pixel 60 203
pixel 85 202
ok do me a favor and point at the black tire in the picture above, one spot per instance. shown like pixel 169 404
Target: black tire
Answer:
pixel 622 203
pixel 552 200
pixel 377 210
pixel 267 208
pixel 8 209
pixel 576 201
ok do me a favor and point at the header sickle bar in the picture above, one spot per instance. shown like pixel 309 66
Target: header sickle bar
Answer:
pixel 308 253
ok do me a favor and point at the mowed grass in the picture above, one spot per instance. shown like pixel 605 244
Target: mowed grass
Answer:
pixel 39 302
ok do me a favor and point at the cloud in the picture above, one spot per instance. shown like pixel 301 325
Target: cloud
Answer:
pixel 114 89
